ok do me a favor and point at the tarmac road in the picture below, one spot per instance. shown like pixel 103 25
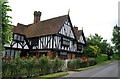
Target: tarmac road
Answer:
pixel 109 71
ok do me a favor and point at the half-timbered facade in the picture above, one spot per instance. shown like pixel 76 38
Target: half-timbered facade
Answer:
pixel 50 37
pixel 81 41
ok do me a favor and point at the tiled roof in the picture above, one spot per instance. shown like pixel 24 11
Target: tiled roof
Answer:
pixel 19 28
pixel 46 27
pixel 77 32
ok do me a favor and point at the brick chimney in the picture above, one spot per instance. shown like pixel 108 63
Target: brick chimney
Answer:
pixel 37 15
pixel 76 28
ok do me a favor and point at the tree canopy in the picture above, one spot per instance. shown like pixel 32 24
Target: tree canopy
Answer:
pixel 96 46
pixel 116 39
pixel 6 23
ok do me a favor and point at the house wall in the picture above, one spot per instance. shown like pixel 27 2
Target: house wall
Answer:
pixel 70 56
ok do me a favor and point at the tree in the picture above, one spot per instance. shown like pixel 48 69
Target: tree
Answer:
pixel 104 46
pixel 91 51
pixel 116 39
pixel 94 39
pixel 99 41
pixel 6 24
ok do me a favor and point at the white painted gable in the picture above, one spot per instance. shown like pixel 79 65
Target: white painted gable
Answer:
pixel 67 30
pixel 81 40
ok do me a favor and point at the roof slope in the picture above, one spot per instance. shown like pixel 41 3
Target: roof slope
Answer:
pixel 50 26
pixel 46 27
pixel 19 29
pixel 78 33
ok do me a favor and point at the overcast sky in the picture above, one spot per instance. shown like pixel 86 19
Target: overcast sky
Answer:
pixel 95 16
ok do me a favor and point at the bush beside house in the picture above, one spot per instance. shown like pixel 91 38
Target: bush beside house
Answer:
pixel 80 63
pixel 30 66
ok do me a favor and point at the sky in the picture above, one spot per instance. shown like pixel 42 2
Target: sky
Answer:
pixel 95 16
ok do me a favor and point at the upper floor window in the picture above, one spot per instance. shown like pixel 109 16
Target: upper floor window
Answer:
pixel 18 37
pixel 15 36
pixel 34 42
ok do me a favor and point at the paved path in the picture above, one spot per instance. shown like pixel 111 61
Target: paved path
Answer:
pixel 109 70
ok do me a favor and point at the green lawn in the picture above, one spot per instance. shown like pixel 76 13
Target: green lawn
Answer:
pixel 49 76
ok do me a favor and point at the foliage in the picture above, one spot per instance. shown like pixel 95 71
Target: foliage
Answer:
pixel 25 66
pixel 92 61
pixel 91 51
pixel 115 57
pixel 96 46
pixel 96 50
pixel 97 40
pixel 101 58
pixel 116 39
pixel 6 24
pixel 44 64
pixel 94 40
pixel 72 64
pixel 88 52
pixel 81 63
pixel 57 64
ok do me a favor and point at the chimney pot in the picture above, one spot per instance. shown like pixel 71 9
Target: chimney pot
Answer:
pixel 76 27
pixel 37 15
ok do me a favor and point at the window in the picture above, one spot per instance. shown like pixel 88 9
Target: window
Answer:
pixel 12 53
pixel 15 36
pixel 79 47
pixel 22 38
pixel 34 42
pixel 7 53
pixel 65 42
pixel 18 37
pixel 63 55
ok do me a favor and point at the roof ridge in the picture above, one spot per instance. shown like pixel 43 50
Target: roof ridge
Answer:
pixel 54 17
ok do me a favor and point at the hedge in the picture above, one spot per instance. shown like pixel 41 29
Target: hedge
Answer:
pixel 30 66
pixel 80 63
pixel 102 57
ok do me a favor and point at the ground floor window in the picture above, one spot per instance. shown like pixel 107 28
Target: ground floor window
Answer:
pixel 63 55
pixel 38 54
pixel 9 53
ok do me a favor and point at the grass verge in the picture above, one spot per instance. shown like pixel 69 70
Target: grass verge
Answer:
pixel 50 76
pixel 86 68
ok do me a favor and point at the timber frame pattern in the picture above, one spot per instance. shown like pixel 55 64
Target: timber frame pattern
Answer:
pixel 51 37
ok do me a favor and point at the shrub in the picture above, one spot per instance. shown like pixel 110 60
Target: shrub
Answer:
pixel 101 58
pixel 57 64
pixel 84 64
pixel 72 64
pixel 115 57
pixel 44 65
pixel 78 60
pixel 92 61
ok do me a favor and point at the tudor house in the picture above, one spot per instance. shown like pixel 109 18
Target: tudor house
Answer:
pixel 50 37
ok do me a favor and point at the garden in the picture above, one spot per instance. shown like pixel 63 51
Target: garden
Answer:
pixel 27 67
pixel 30 66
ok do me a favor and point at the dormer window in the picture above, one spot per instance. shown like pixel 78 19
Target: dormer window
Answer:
pixel 18 37
pixel 15 36
pixel 22 38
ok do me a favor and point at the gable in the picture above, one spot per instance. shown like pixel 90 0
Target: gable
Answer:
pixel 67 29
pixel 81 39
